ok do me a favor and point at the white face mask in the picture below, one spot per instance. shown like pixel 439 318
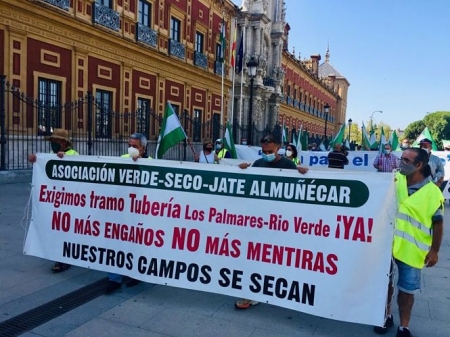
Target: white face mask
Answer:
pixel 133 151
pixel 387 151
pixel 288 153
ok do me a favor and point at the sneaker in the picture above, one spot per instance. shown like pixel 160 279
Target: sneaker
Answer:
pixel 404 333
pixel 112 287
pixel 388 323
pixel 245 303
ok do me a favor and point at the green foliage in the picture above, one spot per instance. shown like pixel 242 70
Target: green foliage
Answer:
pixel 437 122
pixel 439 125
pixel 413 130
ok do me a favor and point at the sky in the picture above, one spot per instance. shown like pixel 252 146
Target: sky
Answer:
pixel 393 52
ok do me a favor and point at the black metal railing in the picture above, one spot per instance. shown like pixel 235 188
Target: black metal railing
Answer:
pixel 94 130
pixel 106 17
pixel 63 4
pixel 200 60
pixel 146 35
pixel 177 49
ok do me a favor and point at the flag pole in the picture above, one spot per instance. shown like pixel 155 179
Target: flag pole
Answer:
pixel 234 70
pixel 244 34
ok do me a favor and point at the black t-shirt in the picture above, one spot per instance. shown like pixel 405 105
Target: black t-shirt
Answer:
pixel 282 163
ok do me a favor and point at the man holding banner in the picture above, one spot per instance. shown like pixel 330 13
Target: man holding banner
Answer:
pixel 137 148
pixel 270 158
pixel 418 233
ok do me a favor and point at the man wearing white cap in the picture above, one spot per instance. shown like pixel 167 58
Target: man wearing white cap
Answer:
pixel 221 151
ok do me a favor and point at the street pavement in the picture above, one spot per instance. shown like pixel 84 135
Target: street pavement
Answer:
pixel 154 310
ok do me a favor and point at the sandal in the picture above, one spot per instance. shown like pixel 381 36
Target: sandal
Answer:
pixel 60 266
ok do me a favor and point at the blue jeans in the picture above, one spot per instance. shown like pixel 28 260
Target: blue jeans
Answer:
pixel 408 278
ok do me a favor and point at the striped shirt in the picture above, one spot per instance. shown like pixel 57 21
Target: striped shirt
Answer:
pixel 388 162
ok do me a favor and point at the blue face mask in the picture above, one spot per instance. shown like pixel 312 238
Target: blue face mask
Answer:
pixel 269 157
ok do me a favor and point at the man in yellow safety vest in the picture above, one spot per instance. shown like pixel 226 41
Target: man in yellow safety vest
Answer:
pixel 418 233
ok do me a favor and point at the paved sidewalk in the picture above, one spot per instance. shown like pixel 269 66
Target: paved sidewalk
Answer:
pixel 153 310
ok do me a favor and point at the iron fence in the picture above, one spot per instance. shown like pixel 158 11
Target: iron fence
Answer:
pixel 25 124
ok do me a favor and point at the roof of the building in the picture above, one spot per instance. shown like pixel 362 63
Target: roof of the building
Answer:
pixel 326 69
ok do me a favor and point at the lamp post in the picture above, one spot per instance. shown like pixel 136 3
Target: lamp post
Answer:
pixel 371 118
pixel 251 69
pixel 326 109
pixel 349 127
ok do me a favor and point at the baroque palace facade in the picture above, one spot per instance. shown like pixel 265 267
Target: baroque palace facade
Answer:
pixel 130 55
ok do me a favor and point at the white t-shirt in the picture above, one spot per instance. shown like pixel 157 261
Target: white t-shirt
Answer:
pixel 206 158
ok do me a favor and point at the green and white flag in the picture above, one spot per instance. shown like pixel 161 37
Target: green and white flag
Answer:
pixel 298 143
pixel 393 140
pixel 373 140
pixel 365 138
pixel 228 141
pixel 425 134
pixel 171 132
pixel 283 135
pixel 223 42
pixel 383 141
pixel 339 138
pixel 445 144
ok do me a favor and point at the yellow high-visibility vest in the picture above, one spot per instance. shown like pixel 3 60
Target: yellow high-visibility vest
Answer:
pixel 413 224
pixel 222 153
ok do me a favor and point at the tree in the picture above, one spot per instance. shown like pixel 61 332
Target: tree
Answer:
pixel 413 130
pixel 437 122
pixel 439 125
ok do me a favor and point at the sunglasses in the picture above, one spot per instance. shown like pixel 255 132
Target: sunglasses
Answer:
pixel 267 140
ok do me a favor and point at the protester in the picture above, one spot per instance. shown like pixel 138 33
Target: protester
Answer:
pixel 137 145
pixel 291 154
pixel 437 168
pixel 405 144
pixel 387 161
pixel 207 155
pixel 418 233
pixel 338 157
pixel 221 152
pixel 270 158
pixel 62 146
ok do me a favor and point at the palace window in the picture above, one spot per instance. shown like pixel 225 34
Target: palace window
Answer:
pixel 199 41
pixel 219 52
pixel 106 3
pixel 197 132
pixel 143 116
pixel 49 116
pixel 103 113
pixel 175 26
pixel 145 13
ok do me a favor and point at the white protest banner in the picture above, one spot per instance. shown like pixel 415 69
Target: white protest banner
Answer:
pixel 316 243
pixel 358 160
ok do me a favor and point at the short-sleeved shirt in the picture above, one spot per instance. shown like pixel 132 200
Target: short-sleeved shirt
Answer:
pixel 437 169
pixel 282 163
pixel 387 162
